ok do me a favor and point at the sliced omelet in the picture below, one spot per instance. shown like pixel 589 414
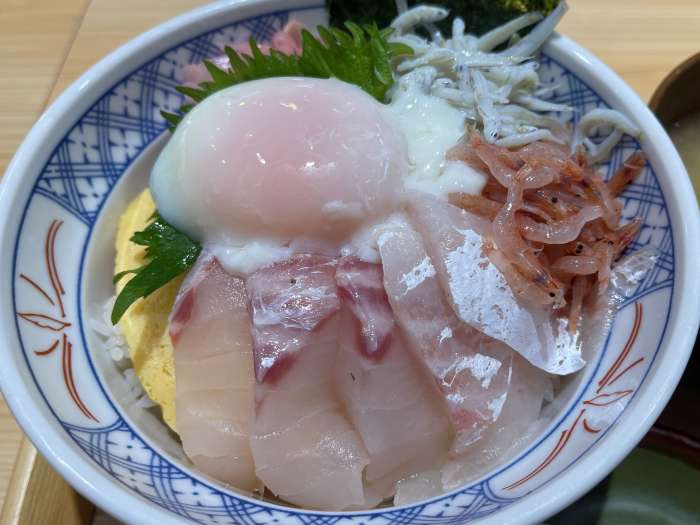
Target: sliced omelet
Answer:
pixel 145 324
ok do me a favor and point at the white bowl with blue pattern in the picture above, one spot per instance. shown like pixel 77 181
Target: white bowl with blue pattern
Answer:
pixel 88 155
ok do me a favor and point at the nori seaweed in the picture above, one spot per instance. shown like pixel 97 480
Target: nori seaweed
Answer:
pixel 479 15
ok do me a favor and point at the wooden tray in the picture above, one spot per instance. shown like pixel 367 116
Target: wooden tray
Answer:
pixel 38 495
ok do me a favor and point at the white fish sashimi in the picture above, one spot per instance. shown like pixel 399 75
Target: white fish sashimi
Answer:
pixel 288 300
pixel 305 449
pixel 360 285
pixel 471 370
pixel 286 41
pixel 213 358
pixel 479 293
pixel 519 421
pixel 509 434
pixel 389 398
pixel 419 487
pixel 625 276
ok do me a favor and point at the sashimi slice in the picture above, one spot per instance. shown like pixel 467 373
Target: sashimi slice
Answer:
pixel 471 370
pixel 305 449
pixel 213 357
pixel 288 300
pixel 522 415
pixel 518 422
pixel 389 398
pixel 419 487
pixel 509 434
pixel 458 244
pixel 599 314
pixel 361 287
pixel 287 41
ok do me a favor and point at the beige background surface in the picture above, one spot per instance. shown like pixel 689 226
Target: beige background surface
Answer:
pixel 46 44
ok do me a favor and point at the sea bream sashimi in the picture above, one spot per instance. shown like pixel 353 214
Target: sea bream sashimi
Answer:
pixel 472 371
pixel 513 430
pixel 288 300
pixel 305 449
pixel 470 268
pixel 288 41
pixel 388 396
pixel 213 355
pixel 519 420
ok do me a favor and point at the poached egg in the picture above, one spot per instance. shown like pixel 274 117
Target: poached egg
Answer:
pixel 262 169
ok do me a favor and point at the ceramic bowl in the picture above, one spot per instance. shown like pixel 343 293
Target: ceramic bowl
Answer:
pixel 90 153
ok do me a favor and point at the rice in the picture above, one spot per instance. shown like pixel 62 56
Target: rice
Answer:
pixel 115 345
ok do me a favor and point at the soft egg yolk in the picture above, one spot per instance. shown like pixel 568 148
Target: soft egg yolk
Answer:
pixel 281 158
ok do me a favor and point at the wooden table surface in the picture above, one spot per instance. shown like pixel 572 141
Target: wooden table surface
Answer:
pixel 46 44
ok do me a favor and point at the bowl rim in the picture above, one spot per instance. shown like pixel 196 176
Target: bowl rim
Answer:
pixel 89 480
